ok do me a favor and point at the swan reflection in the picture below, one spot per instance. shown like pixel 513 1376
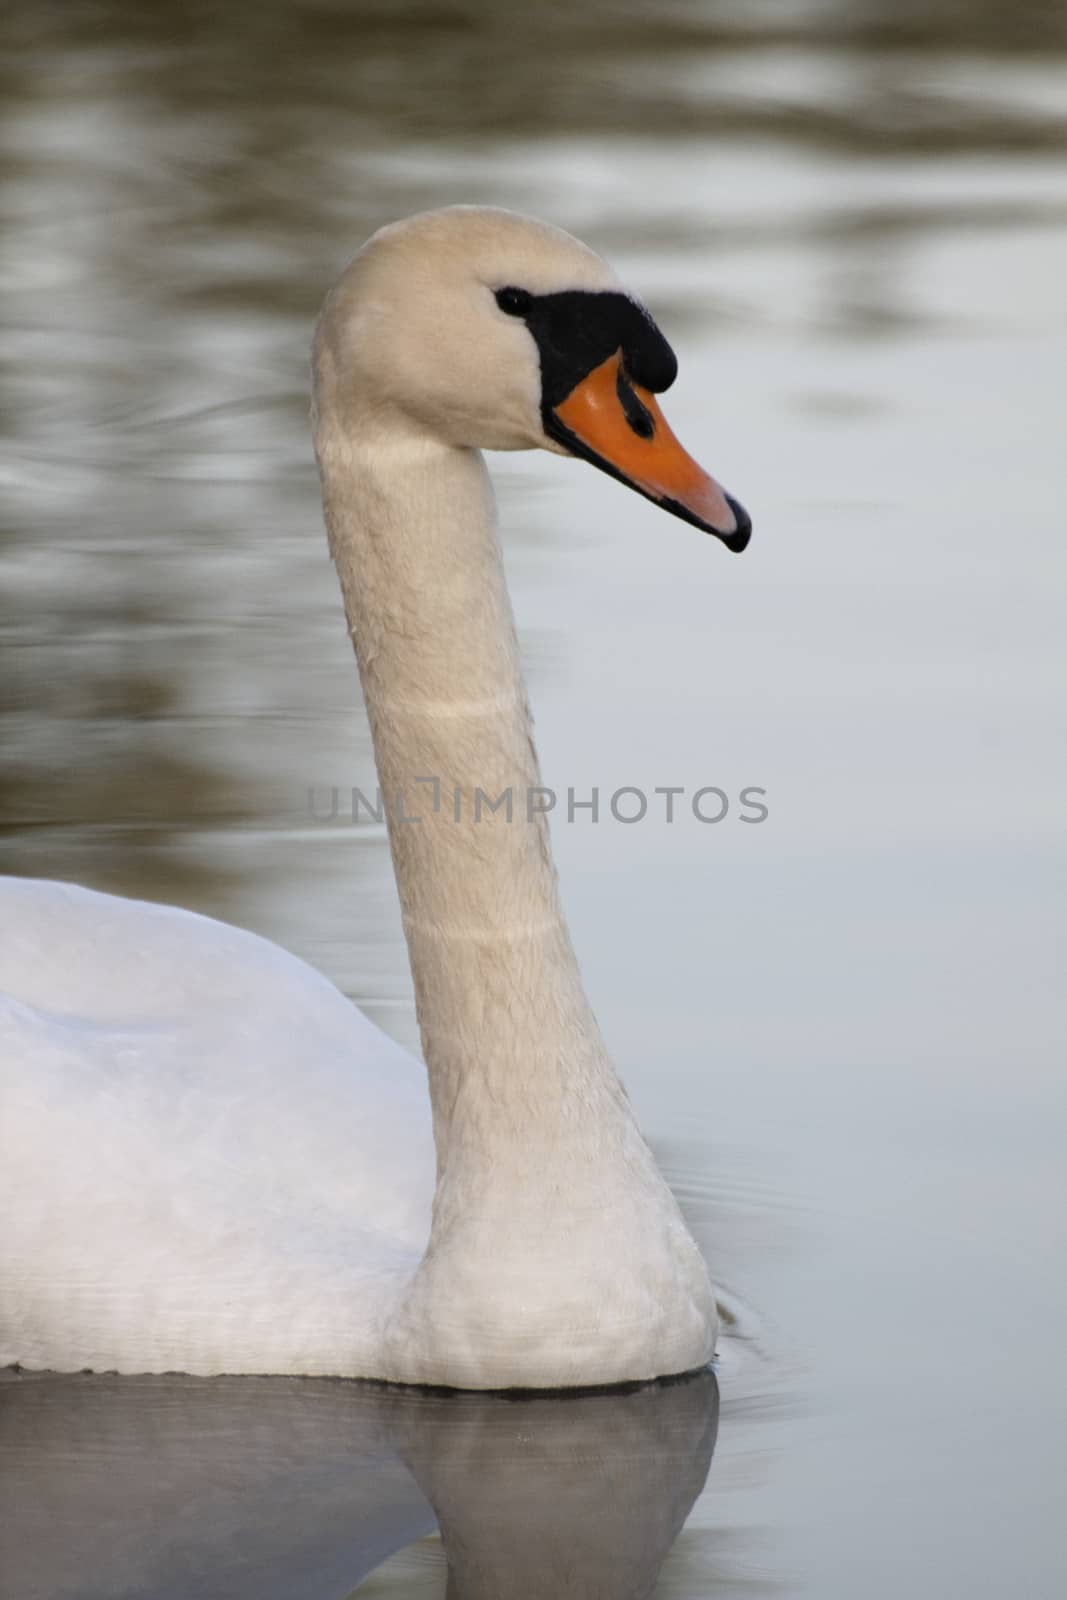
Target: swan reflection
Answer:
pixel 236 1488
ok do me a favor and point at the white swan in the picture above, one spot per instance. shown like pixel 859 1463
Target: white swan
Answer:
pixel 211 1162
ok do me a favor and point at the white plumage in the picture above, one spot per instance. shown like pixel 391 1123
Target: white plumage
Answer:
pixel 211 1161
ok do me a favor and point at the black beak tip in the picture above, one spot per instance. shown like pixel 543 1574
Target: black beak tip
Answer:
pixel 738 540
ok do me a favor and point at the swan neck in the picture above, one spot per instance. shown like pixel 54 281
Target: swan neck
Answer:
pixel 507 1032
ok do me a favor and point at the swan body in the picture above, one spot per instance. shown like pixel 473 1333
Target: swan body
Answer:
pixel 208 1156
pixel 209 1160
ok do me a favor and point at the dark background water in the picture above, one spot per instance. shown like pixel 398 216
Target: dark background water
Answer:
pixel 842 1027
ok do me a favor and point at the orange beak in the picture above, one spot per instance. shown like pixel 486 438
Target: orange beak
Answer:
pixel 618 426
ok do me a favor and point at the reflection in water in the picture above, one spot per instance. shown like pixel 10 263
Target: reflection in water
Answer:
pixel 245 1487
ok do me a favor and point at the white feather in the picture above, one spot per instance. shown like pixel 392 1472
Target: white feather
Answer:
pixel 211 1161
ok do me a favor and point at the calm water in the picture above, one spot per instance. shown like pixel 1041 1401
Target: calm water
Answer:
pixel 840 1026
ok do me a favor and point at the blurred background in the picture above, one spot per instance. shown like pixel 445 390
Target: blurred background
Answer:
pixel 840 1026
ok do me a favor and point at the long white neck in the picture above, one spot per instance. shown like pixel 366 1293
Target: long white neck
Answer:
pixel 508 1036
pixel 557 1254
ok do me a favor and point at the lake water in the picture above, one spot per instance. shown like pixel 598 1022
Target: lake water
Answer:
pixel 842 1026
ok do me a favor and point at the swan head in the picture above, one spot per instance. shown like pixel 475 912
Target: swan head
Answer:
pixel 488 330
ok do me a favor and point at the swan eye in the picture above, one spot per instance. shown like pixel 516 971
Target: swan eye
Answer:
pixel 516 302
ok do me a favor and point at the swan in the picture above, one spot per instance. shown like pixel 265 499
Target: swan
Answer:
pixel 211 1162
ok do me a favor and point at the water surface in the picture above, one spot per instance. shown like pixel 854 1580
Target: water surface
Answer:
pixel 840 1026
